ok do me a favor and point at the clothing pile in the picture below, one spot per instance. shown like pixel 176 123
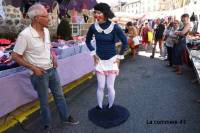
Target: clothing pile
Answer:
pixel 5 58
pixel 64 48
pixel 194 42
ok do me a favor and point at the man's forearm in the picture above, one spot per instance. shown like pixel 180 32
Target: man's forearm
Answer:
pixel 185 30
pixel 20 60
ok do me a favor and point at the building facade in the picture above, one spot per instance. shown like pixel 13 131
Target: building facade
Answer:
pixel 145 6
pixel 132 6
pixel 137 6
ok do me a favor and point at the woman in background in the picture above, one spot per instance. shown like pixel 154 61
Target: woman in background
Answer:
pixel 144 34
pixel 169 37
pixel 132 38
pixel 180 46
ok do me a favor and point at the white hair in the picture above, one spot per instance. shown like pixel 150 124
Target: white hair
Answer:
pixel 35 10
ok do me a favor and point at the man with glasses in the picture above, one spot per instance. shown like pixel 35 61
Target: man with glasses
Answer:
pixel 32 50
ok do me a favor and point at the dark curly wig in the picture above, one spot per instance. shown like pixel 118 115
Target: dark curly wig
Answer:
pixel 105 9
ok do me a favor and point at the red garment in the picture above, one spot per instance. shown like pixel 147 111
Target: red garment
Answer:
pixel 145 35
pixel 136 47
pixel 131 44
pixel 5 42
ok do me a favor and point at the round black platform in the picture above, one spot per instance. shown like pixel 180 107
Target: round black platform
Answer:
pixel 108 118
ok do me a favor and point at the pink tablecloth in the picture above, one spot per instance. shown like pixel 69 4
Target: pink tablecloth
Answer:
pixel 16 89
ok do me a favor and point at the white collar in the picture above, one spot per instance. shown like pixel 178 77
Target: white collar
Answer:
pixel 33 32
pixel 106 31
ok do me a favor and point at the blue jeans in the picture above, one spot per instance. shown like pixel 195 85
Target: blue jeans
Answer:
pixel 41 84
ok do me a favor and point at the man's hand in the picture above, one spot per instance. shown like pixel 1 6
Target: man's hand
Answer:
pixel 38 71
pixel 55 64
pixel 117 61
pixel 96 59
pixel 54 59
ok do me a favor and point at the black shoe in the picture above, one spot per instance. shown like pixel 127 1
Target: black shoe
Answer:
pixel 107 106
pixel 98 108
pixel 71 121
pixel 47 129
pixel 152 56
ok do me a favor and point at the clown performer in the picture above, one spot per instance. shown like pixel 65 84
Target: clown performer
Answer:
pixel 105 56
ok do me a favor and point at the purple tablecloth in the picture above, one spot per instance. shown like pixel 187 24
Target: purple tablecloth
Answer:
pixel 16 89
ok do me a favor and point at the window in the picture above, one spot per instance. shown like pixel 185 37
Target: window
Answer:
pixel 75 29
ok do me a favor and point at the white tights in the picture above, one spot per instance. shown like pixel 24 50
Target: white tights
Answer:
pixel 109 80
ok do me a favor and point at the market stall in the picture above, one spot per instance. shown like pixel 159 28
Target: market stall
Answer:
pixel 193 49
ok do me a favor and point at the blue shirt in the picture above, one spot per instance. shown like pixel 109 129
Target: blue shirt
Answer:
pixel 105 43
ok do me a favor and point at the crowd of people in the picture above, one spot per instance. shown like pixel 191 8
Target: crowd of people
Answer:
pixel 170 34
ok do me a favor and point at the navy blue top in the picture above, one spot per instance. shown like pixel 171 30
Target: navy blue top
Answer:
pixel 105 43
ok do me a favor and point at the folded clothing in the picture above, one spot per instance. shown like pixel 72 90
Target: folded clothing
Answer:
pixel 6 66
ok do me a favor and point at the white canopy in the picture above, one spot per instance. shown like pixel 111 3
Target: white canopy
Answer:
pixel 128 15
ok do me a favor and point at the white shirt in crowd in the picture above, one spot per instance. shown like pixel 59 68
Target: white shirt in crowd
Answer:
pixel 34 49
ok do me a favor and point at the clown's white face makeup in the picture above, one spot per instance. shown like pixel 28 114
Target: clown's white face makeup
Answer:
pixel 98 15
